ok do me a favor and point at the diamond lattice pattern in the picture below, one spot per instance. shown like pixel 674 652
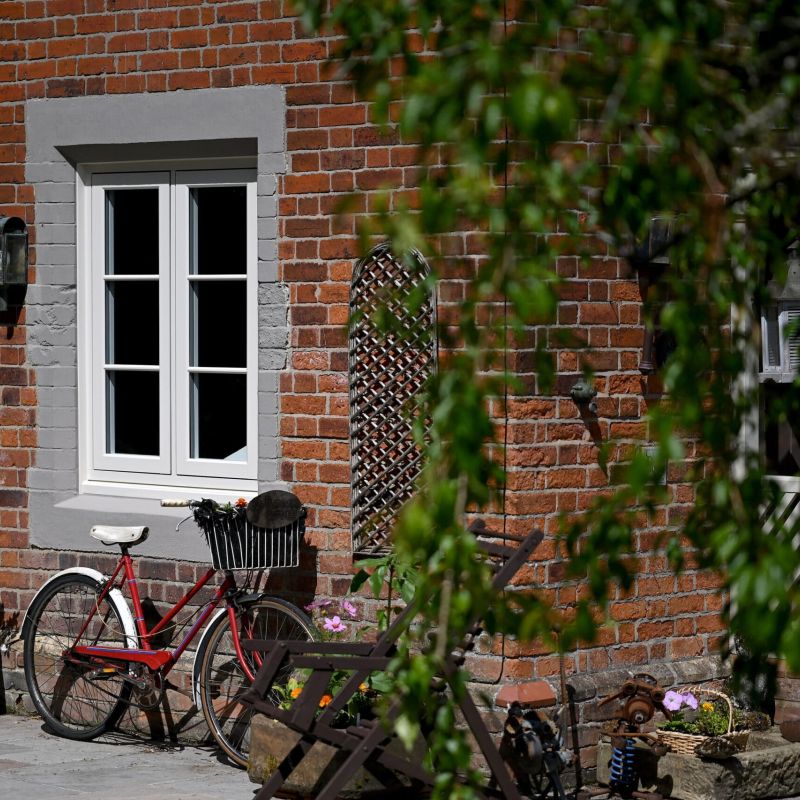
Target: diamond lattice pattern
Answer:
pixel 388 371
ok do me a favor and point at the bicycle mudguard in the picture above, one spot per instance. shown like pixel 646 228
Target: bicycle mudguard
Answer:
pixel 115 597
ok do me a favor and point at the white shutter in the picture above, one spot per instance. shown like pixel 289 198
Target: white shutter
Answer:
pixel 791 335
pixel 770 332
pixel 780 342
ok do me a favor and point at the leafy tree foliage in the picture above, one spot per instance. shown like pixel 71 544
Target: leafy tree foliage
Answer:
pixel 565 127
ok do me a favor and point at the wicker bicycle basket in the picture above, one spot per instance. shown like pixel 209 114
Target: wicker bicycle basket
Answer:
pixel 236 544
pixel 687 743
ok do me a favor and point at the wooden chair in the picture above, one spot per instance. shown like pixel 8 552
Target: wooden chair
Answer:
pixel 366 744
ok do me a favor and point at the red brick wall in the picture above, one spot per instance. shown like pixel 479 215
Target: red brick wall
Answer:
pixel 55 48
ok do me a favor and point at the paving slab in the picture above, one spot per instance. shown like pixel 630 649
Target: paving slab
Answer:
pixel 36 765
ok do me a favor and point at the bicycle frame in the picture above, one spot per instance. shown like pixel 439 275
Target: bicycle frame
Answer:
pixel 160 660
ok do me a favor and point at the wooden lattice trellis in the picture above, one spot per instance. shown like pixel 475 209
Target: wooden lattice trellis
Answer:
pixel 388 370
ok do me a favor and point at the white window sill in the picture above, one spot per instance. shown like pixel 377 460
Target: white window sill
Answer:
pixel 108 504
pixel 223 492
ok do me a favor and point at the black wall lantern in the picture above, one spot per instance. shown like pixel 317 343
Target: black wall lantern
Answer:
pixel 651 260
pixel 13 256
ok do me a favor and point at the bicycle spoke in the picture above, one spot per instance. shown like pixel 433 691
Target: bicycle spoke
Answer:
pixel 71 697
pixel 224 678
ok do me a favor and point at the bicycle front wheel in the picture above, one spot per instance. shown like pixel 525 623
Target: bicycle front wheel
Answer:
pixel 75 699
pixel 222 678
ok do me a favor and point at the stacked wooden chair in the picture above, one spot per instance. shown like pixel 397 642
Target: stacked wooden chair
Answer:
pixel 367 743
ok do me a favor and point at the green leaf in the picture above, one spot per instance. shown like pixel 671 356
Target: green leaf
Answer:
pixel 359 579
pixel 407 731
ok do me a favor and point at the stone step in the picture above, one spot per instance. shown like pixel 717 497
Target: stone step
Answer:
pixel 769 768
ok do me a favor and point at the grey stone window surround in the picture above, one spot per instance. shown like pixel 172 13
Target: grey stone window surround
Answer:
pixel 246 123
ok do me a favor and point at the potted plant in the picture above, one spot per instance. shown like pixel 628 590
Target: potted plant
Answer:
pixel 336 620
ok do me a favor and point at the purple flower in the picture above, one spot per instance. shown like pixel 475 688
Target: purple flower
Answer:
pixel 334 624
pixel 350 608
pixel 318 604
pixel 673 700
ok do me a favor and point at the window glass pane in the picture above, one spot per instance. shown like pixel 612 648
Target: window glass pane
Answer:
pixel 132 413
pixel 218 240
pixel 132 232
pixel 132 322
pixel 772 339
pixel 781 426
pixel 219 324
pixel 219 417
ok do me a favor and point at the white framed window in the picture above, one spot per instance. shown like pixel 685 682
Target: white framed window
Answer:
pixel 168 318
pixel 779 426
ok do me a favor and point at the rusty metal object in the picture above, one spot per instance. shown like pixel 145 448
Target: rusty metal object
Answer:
pixel 389 366
pixel 568 703
pixel 533 749
pixel 641 697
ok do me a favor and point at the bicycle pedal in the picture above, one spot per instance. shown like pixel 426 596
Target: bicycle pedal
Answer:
pixel 103 672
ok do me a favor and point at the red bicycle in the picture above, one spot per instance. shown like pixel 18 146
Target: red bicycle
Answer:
pixel 87 657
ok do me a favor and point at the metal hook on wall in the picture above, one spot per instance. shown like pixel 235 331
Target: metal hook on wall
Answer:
pixel 583 394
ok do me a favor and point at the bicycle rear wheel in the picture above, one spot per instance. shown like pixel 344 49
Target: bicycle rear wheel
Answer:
pixel 222 678
pixel 75 699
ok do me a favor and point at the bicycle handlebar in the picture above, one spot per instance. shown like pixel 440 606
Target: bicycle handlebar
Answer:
pixel 174 503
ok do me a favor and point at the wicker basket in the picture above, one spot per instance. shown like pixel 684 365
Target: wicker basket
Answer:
pixel 687 743
pixel 236 544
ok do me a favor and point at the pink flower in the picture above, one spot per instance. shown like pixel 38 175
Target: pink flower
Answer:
pixel 690 700
pixel 334 625
pixel 318 604
pixel 350 608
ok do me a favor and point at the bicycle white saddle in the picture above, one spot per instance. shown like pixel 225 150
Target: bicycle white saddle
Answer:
pixel 114 534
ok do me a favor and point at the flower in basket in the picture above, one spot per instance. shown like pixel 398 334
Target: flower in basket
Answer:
pixel 713 729
pixel 674 701
pixel 207 510
pixel 705 719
